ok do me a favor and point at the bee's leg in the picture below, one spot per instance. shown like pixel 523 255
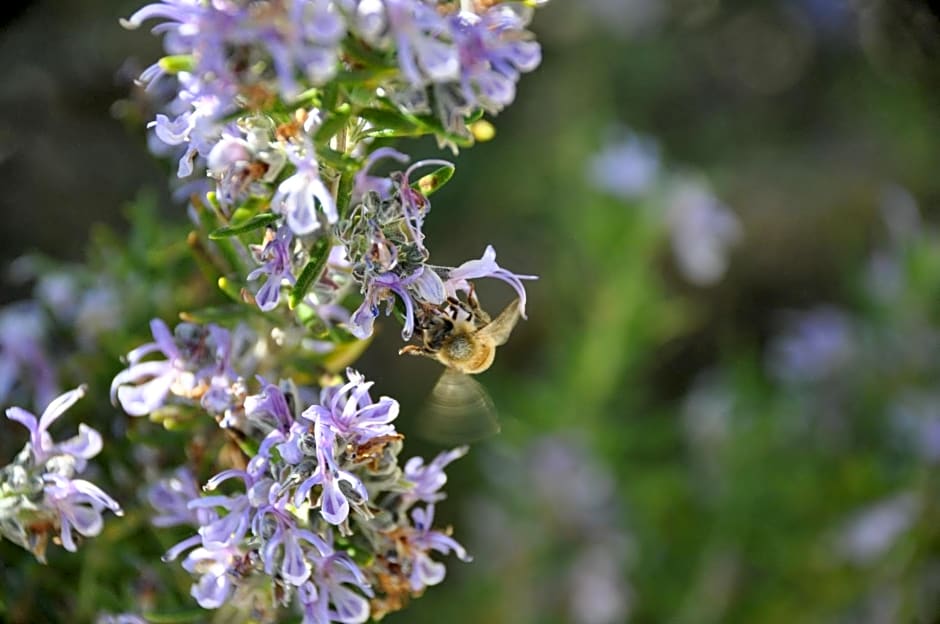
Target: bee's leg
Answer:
pixel 478 312
pixel 416 350
pixel 455 307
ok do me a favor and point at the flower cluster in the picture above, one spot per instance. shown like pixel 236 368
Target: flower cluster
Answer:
pixel 282 109
pixel 39 494
pixel 386 249
pixel 325 517
pixel 256 110
pixel 231 55
pixel 198 368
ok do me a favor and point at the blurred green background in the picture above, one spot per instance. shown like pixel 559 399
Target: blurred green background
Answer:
pixel 760 444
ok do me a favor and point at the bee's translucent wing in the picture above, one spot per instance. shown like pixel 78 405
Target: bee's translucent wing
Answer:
pixel 458 410
pixel 498 329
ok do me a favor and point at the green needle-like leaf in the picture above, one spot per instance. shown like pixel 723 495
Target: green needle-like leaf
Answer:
pixel 311 273
pixel 234 229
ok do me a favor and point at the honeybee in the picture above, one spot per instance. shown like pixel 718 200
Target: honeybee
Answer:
pixel 466 345
pixel 464 339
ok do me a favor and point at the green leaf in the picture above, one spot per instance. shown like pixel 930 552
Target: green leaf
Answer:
pixel 336 160
pixel 223 314
pixel 311 273
pixel 344 192
pixel 330 95
pixel 370 76
pixel 391 123
pixel 364 55
pixel 234 229
pixel 332 125
pixel 428 184
pixel 433 124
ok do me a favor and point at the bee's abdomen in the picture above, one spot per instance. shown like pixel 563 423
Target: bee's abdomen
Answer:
pixel 467 355
pixel 459 348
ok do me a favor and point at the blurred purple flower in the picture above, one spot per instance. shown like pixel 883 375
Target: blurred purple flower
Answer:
pixel 419 34
pixel 871 532
pixel 627 168
pixel 494 48
pixel 170 498
pixel 23 359
pixel 814 345
pixel 703 231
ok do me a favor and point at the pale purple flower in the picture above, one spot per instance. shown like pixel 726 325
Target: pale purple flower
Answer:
pixel 600 592
pixel 384 287
pixel 419 34
pixel 307 38
pixel 242 167
pixel 328 596
pixel 493 49
pixel 231 527
pixel 68 504
pixel 270 408
pixel 277 268
pixel 196 131
pixel 428 286
pixel 428 479
pixel 349 410
pixel 365 183
pixel 100 310
pixel 216 582
pixel 457 279
pixel 81 448
pixel 283 544
pixel 422 542
pixel 202 29
pixel 415 206
pixel 299 196
pixel 334 500
pixel 79 504
pixel 197 357
pixel 152 379
pixel 293 446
